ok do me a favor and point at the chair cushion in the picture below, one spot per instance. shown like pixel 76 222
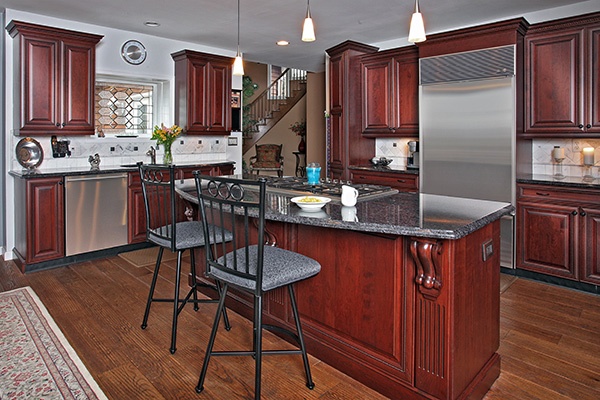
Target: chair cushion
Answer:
pixel 280 267
pixel 190 234
pixel 269 165
pixel 267 156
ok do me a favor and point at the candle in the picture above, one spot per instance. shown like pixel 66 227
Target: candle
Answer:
pixel 588 156
pixel 558 153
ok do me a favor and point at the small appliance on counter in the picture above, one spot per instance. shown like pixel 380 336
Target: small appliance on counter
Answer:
pixel 413 154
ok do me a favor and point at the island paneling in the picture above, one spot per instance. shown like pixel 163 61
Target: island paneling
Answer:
pixel 407 304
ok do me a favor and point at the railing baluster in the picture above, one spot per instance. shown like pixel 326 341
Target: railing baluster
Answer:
pixel 263 107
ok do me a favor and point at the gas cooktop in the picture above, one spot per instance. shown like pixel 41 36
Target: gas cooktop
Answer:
pixel 328 188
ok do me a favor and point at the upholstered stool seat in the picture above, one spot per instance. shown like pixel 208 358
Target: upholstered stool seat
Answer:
pixel 249 265
pixel 166 227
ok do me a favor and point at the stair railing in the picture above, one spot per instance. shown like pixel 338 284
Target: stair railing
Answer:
pixel 270 99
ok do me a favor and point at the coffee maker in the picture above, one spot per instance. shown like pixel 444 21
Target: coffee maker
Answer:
pixel 413 154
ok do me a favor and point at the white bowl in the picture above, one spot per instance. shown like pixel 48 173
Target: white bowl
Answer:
pixel 310 206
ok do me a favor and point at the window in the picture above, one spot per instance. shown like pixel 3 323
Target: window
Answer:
pixel 126 106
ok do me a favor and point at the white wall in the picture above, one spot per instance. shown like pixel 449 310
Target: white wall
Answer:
pixel 158 65
pixel 533 18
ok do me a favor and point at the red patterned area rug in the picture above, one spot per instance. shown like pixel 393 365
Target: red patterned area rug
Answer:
pixel 36 360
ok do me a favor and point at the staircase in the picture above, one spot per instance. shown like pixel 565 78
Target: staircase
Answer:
pixel 271 105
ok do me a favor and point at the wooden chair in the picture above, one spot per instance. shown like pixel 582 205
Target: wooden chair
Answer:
pixel 268 158
pixel 247 264
pixel 167 228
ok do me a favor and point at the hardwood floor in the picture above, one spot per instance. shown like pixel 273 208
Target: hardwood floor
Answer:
pixel 550 340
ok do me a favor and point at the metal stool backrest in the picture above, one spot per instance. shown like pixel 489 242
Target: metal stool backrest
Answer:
pixel 237 206
pixel 158 187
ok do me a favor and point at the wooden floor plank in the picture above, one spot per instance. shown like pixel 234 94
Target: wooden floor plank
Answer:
pixel 549 340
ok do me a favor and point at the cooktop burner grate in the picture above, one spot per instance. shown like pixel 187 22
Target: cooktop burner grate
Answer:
pixel 333 189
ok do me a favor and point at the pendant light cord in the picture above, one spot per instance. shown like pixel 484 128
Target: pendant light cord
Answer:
pixel 238 33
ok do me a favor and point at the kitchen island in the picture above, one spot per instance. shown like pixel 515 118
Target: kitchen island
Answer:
pixel 407 300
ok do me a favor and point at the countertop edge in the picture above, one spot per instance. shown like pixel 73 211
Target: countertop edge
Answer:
pixel 566 182
pixel 33 174
pixel 391 170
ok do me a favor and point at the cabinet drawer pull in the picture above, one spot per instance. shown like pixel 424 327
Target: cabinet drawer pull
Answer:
pixel 401 180
pixel 542 194
pixel 574 212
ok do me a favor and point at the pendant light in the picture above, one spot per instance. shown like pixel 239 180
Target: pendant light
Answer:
pixel 238 64
pixel 308 31
pixel 416 33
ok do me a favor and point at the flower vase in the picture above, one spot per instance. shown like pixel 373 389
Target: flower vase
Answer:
pixel 302 145
pixel 168 156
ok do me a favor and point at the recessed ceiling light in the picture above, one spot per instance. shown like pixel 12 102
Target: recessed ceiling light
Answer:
pixel 282 43
pixel 152 24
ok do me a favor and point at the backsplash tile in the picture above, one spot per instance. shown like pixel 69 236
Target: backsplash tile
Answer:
pixel 116 151
pixel 397 150
pixel 394 148
pixel 573 162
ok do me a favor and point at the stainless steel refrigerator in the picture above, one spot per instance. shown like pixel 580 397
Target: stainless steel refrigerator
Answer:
pixel 467 130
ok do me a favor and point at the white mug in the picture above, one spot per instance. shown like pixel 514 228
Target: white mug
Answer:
pixel 349 196
pixel 349 214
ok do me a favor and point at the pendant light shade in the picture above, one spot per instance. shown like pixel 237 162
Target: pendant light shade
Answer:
pixel 416 33
pixel 238 64
pixel 308 30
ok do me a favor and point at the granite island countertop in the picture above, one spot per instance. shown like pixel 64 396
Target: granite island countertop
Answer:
pixel 405 214
pixel 109 169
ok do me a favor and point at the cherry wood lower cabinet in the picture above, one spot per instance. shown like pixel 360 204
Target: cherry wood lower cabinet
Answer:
pixel 558 232
pixel 40 226
pixel 413 318
pixel 136 231
pixel 405 182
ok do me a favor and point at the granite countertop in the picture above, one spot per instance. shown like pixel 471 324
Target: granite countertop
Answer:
pixel 109 169
pixel 568 181
pixel 389 169
pixel 406 214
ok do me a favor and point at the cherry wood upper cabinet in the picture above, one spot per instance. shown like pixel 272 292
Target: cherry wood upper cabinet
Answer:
pixel 346 142
pixel 390 86
pixel 562 93
pixel 202 92
pixel 56 79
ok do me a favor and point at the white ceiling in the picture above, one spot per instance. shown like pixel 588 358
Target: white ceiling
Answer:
pixel 263 22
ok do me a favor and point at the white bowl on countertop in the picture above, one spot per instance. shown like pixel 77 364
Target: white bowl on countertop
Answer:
pixel 310 203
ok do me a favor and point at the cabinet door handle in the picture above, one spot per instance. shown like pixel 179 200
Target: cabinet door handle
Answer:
pixel 57 125
pixel 588 126
pixel 60 182
pixel 583 213
pixel 64 124
pixel 580 126
pixel 542 194
pixel 574 212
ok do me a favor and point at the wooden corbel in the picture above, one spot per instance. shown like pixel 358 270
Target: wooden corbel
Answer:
pixel 426 255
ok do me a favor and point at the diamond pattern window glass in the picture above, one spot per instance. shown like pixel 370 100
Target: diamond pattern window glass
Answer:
pixel 124 107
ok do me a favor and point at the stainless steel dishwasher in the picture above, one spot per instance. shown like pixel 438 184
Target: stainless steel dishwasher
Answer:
pixel 95 212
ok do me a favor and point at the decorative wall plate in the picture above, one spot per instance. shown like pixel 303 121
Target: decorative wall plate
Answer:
pixel 134 52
